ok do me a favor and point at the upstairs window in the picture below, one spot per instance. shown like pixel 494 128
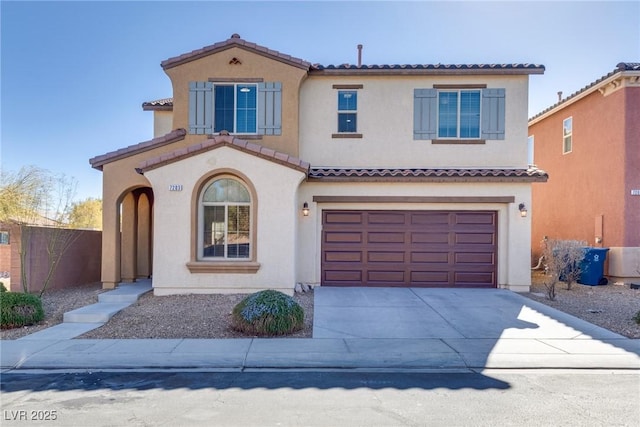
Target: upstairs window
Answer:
pixel 459 114
pixel 567 131
pixel 4 237
pixel 239 108
pixel 235 108
pixel 225 212
pixel 347 111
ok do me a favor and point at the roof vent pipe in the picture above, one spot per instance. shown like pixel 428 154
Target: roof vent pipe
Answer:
pixel 359 55
pixel 559 96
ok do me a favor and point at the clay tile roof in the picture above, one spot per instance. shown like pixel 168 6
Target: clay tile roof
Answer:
pixel 165 104
pixel 429 69
pixel 173 136
pixel 620 67
pixel 434 175
pixel 225 141
pixel 234 41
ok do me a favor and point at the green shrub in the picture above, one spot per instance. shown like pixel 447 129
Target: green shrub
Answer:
pixel 268 313
pixel 3 288
pixel 18 309
pixel 636 318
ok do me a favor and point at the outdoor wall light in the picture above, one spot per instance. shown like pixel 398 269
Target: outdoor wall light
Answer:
pixel 305 209
pixel 523 210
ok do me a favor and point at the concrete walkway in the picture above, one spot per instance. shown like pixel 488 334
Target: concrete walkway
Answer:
pixel 366 328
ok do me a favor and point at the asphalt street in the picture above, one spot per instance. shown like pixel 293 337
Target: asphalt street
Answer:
pixel 330 398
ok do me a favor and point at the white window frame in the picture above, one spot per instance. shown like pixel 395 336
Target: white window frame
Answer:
pixel 354 112
pixel 226 204
pixel 235 106
pixel 458 116
pixel 567 136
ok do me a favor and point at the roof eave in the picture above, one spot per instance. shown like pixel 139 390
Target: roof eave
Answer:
pixel 229 44
pixel 98 162
pixel 424 72
pixel 582 93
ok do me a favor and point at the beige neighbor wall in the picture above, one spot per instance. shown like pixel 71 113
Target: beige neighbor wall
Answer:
pixel 514 232
pixel 276 209
pixel 253 66
pixel 385 120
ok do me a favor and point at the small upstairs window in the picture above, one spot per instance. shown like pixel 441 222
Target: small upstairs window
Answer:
pixel 347 111
pixel 4 237
pixel 567 132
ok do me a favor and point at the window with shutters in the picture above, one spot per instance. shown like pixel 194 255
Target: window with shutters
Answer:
pixel 235 108
pixel 238 108
pixel 459 115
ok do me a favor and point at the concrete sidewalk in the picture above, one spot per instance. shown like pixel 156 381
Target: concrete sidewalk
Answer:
pixel 368 328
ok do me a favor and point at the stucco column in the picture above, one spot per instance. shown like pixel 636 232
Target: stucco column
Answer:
pixel 110 244
pixel 129 238
pixel 144 236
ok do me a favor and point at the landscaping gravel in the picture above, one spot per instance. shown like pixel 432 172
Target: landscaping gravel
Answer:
pixel 208 316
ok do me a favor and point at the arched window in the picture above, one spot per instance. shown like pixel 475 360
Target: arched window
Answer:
pixel 225 221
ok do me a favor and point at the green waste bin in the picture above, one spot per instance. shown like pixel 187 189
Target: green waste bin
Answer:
pixel 592 267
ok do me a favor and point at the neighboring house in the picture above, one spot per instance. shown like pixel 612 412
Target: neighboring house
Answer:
pixel 266 171
pixel 589 143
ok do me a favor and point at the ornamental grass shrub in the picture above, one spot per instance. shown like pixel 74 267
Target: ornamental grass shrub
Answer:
pixel 269 313
pixel 18 309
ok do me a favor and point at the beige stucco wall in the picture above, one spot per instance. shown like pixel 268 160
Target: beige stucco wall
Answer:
pixel 624 264
pixel 275 207
pixel 513 231
pixel 385 120
pixel 162 123
pixel 251 66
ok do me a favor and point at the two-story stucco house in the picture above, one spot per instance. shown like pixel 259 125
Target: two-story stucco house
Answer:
pixel 589 142
pixel 266 171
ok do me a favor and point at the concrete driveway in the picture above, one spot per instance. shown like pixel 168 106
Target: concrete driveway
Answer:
pixel 442 314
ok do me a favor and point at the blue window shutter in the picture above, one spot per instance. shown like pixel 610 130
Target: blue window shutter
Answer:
pixel 493 112
pixel 425 118
pixel 270 108
pixel 200 108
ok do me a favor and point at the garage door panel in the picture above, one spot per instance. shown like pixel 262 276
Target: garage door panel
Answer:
pixel 430 257
pixel 476 278
pixel 409 248
pixel 343 237
pixel 383 237
pixel 440 278
pixel 391 277
pixel 386 218
pixel 475 238
pixel 429 218
pixel 342 256
pixel 474 258
pixel 475 218
pixel 385 257
pixel 343 275
pixel 343 217
pixel 430 238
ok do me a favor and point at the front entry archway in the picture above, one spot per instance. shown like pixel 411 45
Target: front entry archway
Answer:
pixel 136 234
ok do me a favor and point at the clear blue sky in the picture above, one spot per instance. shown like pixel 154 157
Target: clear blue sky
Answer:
pixel 74 74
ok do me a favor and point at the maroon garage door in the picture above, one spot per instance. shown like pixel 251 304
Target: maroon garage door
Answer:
pixel 409 248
